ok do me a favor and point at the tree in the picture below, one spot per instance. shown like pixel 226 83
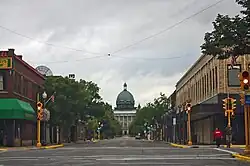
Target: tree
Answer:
pixel 230 36
pixel 150 112
pixel 74 101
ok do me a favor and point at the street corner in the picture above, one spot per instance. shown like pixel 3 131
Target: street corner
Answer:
pixel 178 145
pixel 241 157
pixel 52 146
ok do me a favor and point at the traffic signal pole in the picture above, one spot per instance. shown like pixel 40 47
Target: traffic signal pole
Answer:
pixel 38 144
pixel 188 111
pixel 228 119
pixel 246 116
pixel 189 130
pixel 244 83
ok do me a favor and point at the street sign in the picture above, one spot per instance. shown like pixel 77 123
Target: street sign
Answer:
pixel 247 99
pixel 5 63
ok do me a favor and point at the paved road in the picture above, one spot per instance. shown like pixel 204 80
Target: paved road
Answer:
pixel 120 151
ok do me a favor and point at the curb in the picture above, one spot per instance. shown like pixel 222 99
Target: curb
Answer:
pixel 52 146
pixel 179 146
pixel 241 157
pixel 31 148
pixel 236 146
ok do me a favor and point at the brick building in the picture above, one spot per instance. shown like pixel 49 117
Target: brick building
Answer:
pixel 19 85
pixel 206 83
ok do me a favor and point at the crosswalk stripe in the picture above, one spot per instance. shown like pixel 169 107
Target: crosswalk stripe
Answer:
pixel 162 158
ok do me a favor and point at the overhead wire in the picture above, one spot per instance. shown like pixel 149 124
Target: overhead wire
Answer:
pixel 170 27
pixel 121 49
pixel 67 61
pixel 44 42
pixel 101 56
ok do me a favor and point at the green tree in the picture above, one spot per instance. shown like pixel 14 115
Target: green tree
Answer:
pixel 76 100
pixel 152 110
pixel 230 36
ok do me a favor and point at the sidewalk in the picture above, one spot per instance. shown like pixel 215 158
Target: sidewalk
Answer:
pixel 237 151
pixel 205 146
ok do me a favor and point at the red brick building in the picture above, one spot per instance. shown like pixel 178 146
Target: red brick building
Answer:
pixel 19 86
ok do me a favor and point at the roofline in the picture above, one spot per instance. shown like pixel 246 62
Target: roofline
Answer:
pixel 187 72
pixel 172 94
pixel 29 67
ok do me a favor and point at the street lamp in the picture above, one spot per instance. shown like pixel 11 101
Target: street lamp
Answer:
pixel 44 95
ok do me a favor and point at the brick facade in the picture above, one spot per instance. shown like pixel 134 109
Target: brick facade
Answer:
pixel 22 82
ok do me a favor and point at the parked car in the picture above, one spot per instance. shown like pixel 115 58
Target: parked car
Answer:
pixel 138 136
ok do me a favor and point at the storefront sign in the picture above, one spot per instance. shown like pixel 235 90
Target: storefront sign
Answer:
pixel 5 62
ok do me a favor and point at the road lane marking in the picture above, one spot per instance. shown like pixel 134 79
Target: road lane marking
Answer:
pixel 224 150
pixel 27 159
pixel 125 148
pixel 150 163
pixel 163 158
pixel 112 156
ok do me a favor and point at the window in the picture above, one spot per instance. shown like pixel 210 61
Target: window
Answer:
pixel 30 95
pixel 34 91
pixel 17 83
pixel 210 82
pixel 129 118
pixel 1 82
pixel 216 78
pixel 232 75
pixel 203 87
pixel 25 87
pixel 213 82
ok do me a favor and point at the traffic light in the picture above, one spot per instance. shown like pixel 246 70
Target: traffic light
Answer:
pixel 233 103
pixel 244 80
pixel 225 104
pixel 39 106
pixel 39 110
pixel 188 107
pixel 229 104
pixel 242 98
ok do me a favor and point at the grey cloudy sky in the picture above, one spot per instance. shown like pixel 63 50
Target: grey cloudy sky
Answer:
pixel 98 27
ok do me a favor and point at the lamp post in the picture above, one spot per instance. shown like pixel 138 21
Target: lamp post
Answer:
pixel 179 123
pixel 44 96
pixel 100 125
pixel 174 124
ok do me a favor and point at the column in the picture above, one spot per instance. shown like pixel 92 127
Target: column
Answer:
pixel 123 124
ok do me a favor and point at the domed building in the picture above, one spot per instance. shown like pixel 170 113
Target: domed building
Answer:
pixel 125 110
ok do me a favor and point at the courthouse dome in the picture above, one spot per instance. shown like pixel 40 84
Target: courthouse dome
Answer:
pixel 125 99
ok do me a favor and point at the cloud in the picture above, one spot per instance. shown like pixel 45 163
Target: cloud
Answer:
pixel 76 37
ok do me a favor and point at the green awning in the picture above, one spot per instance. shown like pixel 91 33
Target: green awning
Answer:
pixel 16 109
